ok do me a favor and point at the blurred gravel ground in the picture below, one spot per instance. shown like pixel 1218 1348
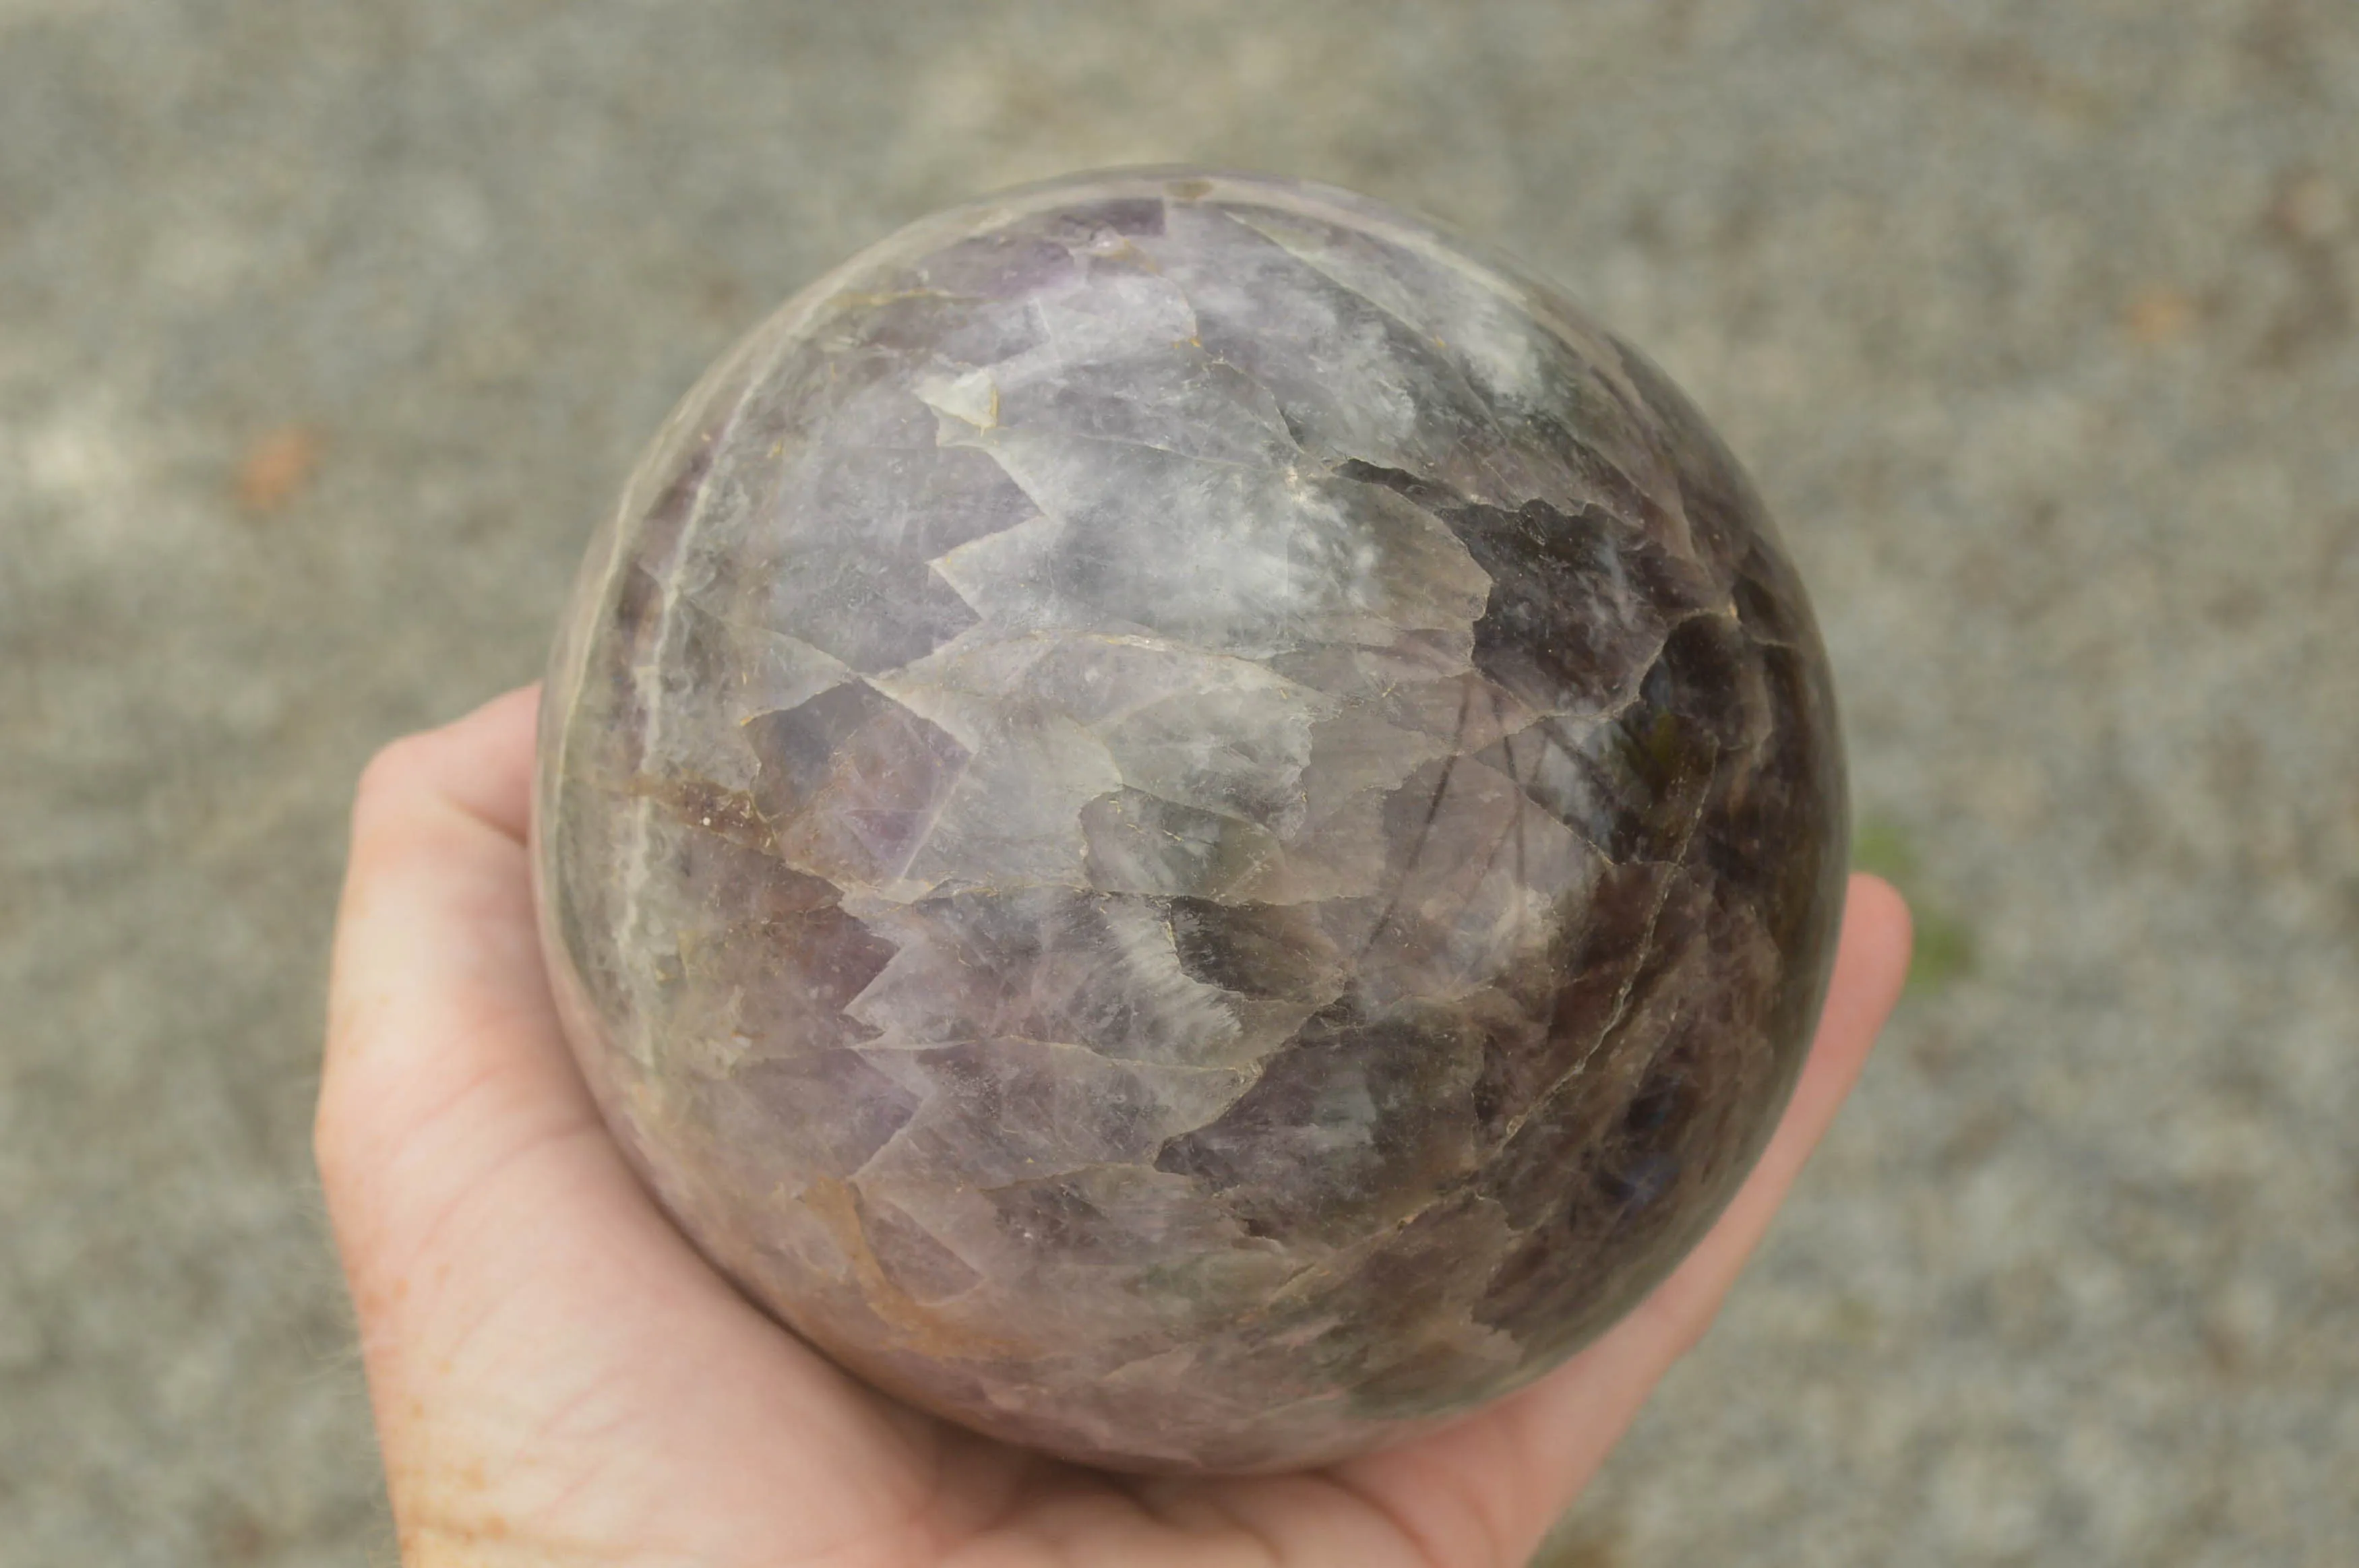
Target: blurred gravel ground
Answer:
pixel 328 329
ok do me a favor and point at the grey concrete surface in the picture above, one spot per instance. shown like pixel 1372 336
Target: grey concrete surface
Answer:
pixel 326 329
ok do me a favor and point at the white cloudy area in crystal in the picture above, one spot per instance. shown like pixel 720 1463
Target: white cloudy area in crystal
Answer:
pixel 1188 824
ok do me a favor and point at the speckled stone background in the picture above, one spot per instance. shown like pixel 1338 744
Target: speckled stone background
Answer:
pixel 326 330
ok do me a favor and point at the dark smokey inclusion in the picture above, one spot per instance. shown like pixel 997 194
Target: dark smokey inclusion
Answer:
pixel 1188 824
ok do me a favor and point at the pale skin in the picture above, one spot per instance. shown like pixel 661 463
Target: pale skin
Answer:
pixel 559 1378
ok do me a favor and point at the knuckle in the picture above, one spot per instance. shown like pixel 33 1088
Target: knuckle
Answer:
pixel 396 766
pixel 401 773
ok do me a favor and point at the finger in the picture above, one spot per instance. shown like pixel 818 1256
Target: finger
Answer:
pixel 439 1020
pixel 1871 966
pixel 482 764
pixel 1499 1480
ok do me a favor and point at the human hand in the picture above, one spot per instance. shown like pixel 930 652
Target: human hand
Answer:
pixel 559 1378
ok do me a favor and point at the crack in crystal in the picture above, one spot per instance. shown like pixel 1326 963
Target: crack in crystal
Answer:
pixel 1674 868
pixel 638 867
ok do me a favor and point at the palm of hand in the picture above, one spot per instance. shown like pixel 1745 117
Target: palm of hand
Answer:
pixel 559 1378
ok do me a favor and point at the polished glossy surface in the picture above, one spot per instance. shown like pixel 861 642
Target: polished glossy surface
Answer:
pixel 1188 824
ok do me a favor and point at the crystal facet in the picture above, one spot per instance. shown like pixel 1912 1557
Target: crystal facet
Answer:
pixel 1188 823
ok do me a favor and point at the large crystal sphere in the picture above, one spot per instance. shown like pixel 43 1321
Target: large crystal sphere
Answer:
pixel 1188 823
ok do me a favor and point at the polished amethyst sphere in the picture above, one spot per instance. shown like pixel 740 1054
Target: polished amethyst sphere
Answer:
pixel 1188 822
